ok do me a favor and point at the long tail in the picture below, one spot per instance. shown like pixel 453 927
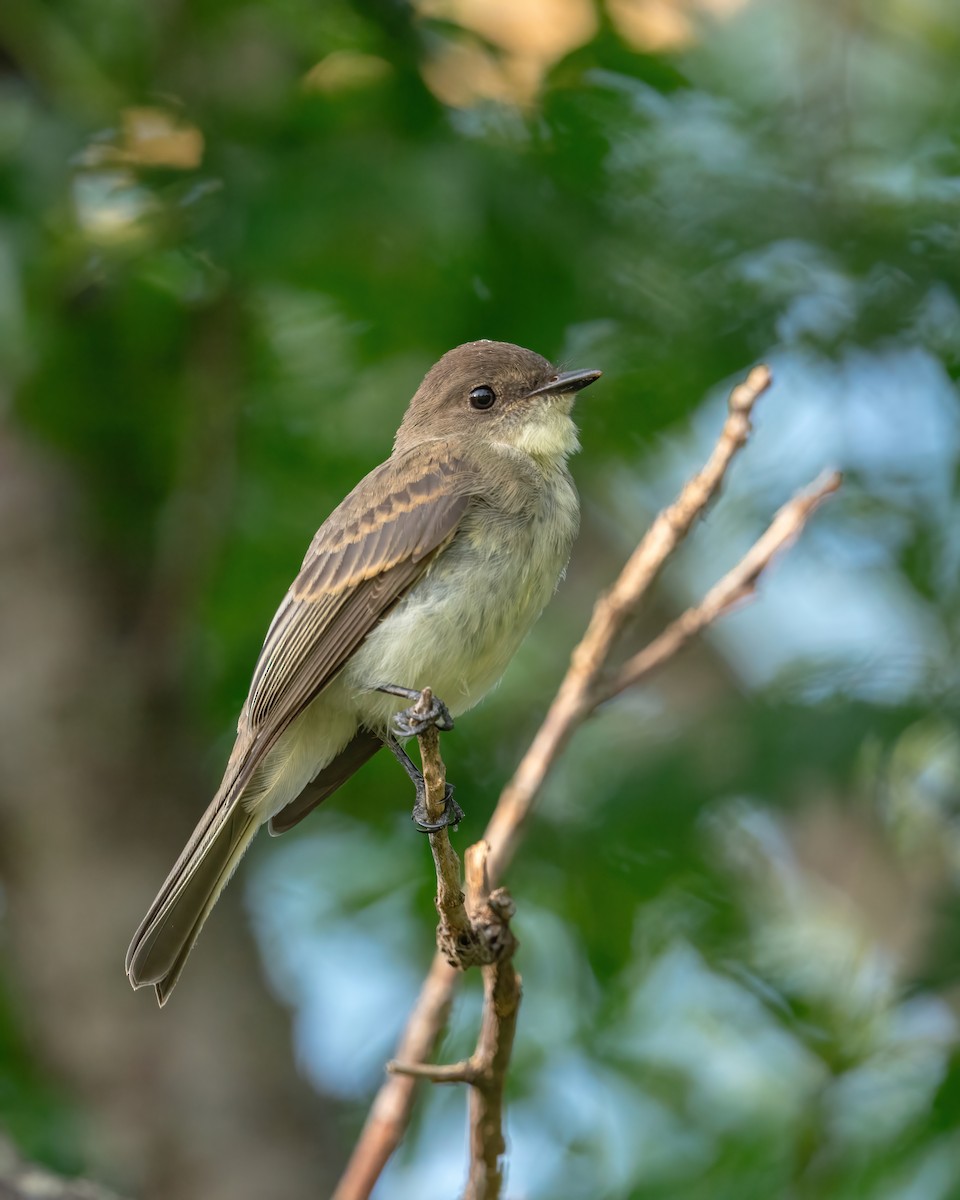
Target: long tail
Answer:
pixel 167 933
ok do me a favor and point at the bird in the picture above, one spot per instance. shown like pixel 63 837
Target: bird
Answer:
pixel 429 574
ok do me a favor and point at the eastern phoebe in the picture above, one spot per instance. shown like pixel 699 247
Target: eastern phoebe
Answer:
pixel 429 574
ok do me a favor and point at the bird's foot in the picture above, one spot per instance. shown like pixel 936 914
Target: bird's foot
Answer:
pixel 426 710
pixel 451 816
pixel 452 813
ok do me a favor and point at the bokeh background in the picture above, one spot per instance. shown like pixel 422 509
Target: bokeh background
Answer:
pixel 232 239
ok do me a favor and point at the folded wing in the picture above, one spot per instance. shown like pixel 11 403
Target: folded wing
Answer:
pixel 367 554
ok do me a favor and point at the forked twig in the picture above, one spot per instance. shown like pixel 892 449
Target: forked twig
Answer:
pixel 581 691
pixel 486 1069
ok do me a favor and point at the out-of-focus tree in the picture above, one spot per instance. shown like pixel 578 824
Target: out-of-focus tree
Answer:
pixel 231 240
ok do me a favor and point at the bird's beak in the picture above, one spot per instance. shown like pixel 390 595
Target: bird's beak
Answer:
pixel 566 381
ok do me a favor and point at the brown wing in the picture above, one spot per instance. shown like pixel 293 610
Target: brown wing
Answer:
pixel 362 560
pixel 364 557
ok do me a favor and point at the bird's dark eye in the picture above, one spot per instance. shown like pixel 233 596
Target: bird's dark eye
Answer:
pixel 482 397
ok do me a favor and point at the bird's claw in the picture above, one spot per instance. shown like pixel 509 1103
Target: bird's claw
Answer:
pixel 426 710
pixel 451 816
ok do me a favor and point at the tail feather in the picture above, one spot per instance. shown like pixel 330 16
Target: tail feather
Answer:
pixel 168 932
pixel 278 781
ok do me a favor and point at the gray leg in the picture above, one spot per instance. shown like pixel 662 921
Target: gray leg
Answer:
pixel 452 812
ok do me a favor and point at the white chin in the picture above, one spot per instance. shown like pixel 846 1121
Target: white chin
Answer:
pixel 550 433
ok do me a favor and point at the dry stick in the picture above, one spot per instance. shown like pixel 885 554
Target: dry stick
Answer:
pixel 455 935
pixel 486 1069
pixel 501 1004
pixel 457 938
pixel 482 937
pixel 611 612
pixel 454 928
pixel 736 586
pixel 390 1114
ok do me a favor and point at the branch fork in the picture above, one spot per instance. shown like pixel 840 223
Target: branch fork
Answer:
pixel 476 929
pixel 485 1071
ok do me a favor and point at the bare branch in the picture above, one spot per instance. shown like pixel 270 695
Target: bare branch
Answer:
pixel 390 1114
pixel 454 933
pixel 736 586
pixel 572 702
pixel 458 938
pixel 486 1069
pixel 578 696
pixel 502 992
pixel 461 1072
pixel 434 771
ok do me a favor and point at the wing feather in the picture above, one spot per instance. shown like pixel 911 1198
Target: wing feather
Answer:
pixel 362 560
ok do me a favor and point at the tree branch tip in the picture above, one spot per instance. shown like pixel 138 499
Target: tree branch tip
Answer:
pixel 810 498
pixel 830 481
pixel 476 878
pixel 745 394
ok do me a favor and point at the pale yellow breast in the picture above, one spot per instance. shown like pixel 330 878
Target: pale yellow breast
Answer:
pixel 458 628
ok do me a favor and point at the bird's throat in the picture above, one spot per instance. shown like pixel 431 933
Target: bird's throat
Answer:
pixel 550 438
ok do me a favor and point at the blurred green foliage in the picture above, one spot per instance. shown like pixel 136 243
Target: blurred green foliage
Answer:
pixel 31 1111
pixel 224 267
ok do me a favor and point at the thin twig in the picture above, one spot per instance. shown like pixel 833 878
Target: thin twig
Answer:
pixel 501 1004
pixel 454 929
pixel 387 1120
pixel 735 587
pixel 576 698
pixel 491 912
pixel 611 612
pixel 486 1069
pixel 461 1072
pixel 457 939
